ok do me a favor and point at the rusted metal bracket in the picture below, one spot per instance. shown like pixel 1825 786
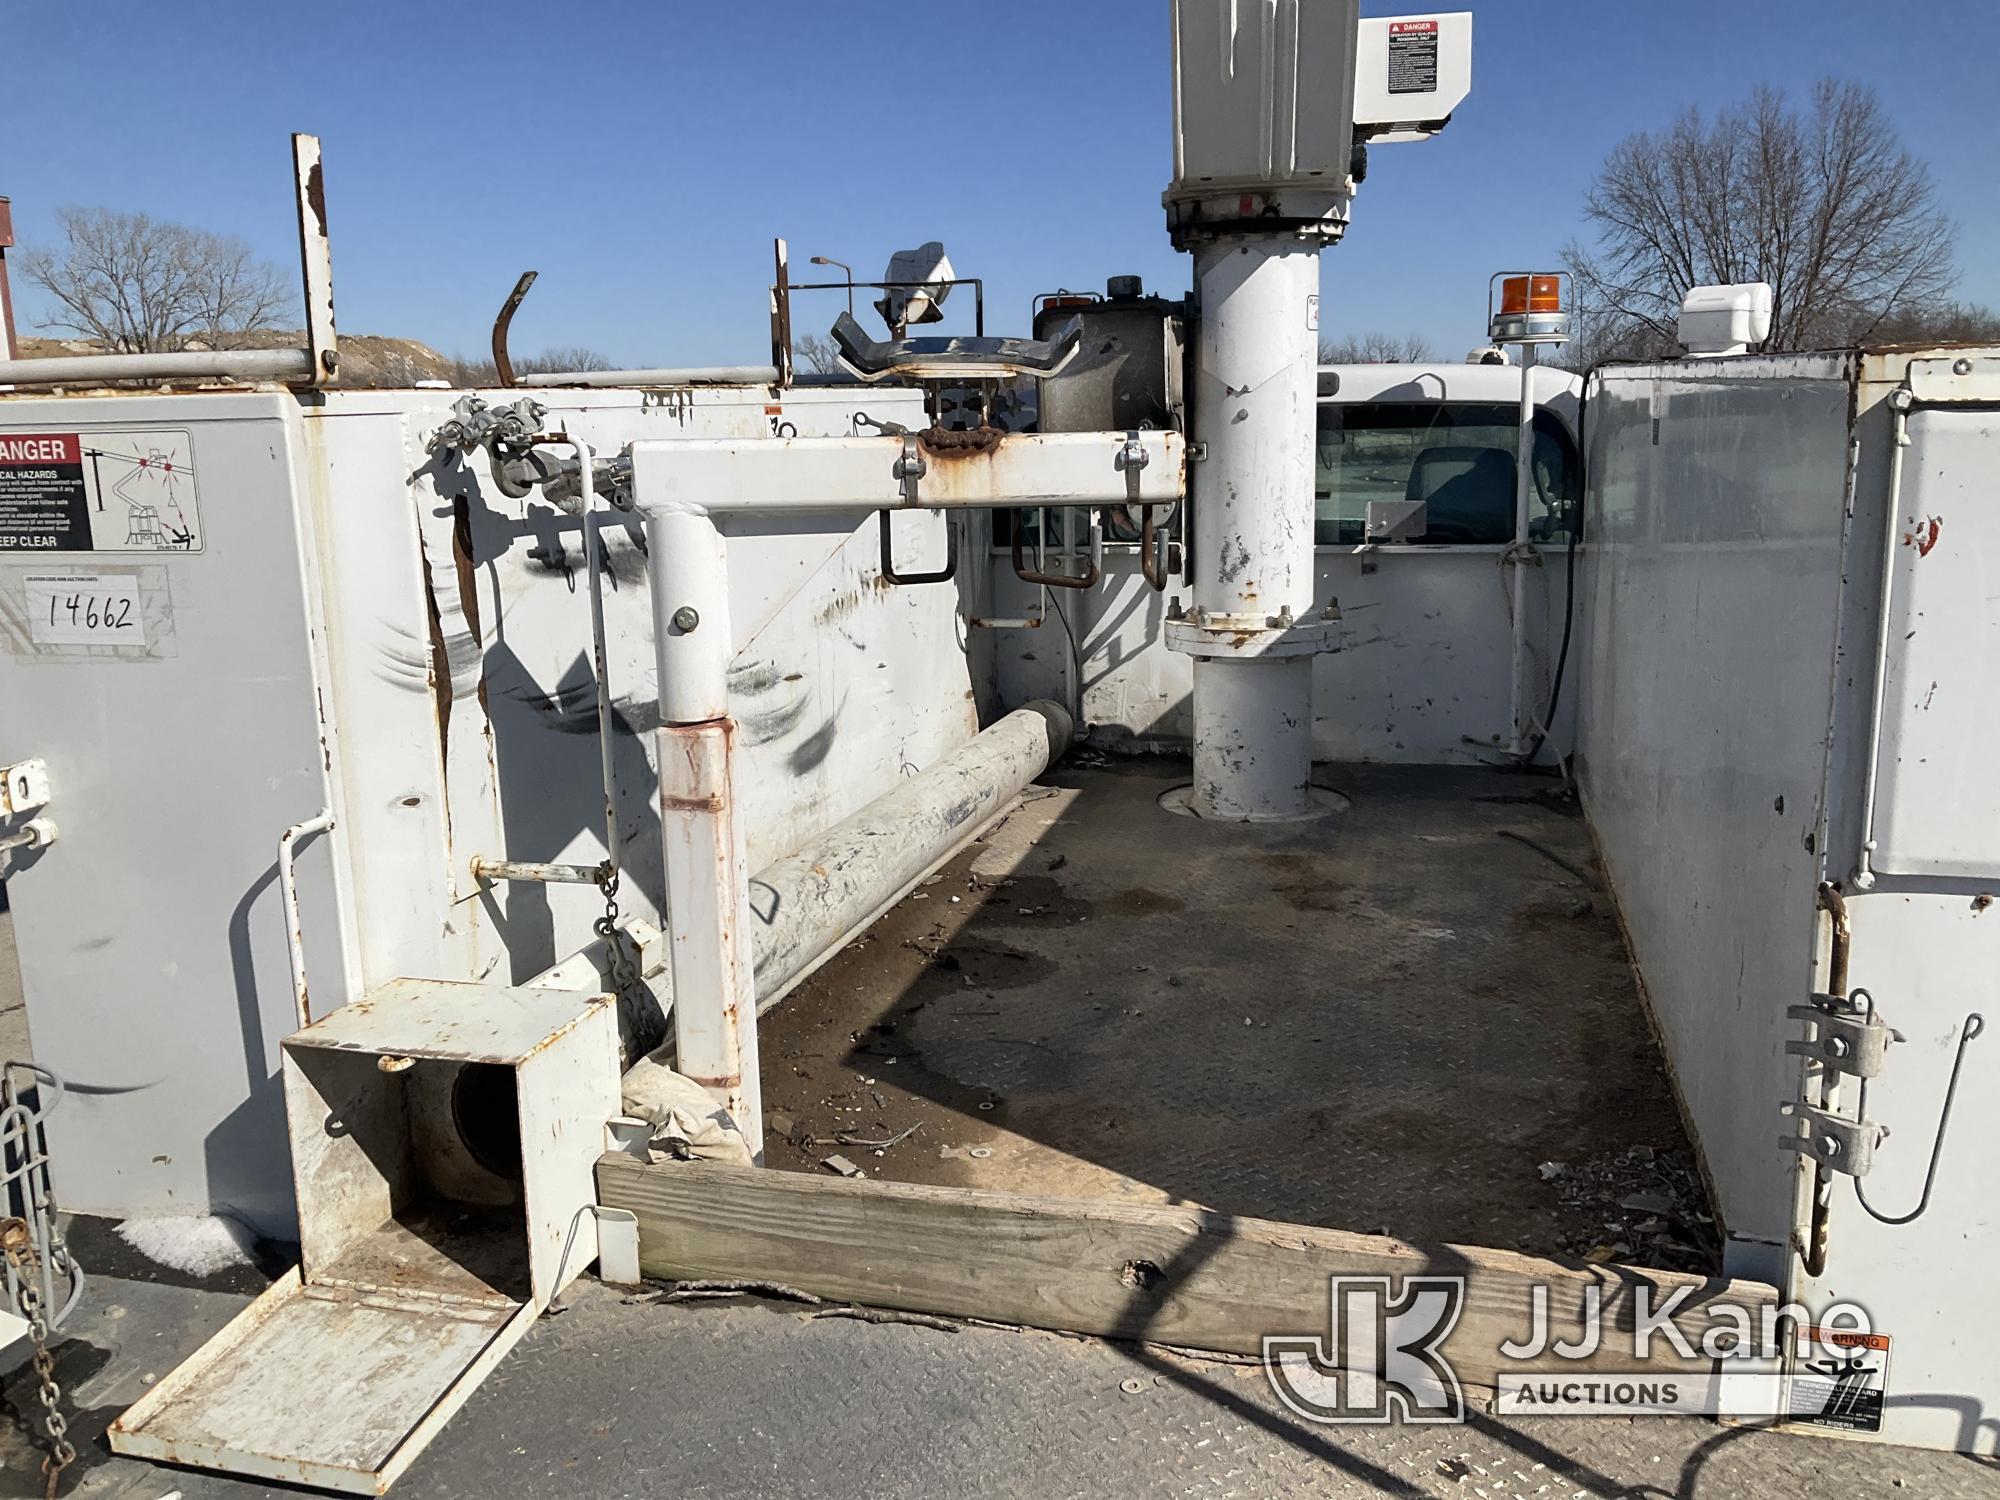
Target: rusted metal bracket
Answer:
pixel 315 260
pixel 1083 580
pixel 1844 1039
pixel 501 363
pixel 1130 459
pixel 1152 551
pixel 1837 1144
pixel 943 575
pixel 1849 1039
pixel 781 311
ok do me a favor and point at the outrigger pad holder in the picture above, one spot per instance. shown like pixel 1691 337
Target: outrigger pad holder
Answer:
pixel 956 357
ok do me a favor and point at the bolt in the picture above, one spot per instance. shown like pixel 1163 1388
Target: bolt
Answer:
pixel 1836 1046
pixel 686 618
pixel 1961 367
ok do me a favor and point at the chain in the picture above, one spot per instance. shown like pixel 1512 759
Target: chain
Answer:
pixel 17 1243
pixel 624 974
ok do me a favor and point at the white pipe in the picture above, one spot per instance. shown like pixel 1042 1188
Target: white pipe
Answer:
pixel 702 837
pixel 288 886
pixel 709 921
pixel 99 369
pixel 689 375
pixel 689 564
pixel 1899 429
pixel 807 905
pixel 1255 401
pixel 1521 552
pixel 834 475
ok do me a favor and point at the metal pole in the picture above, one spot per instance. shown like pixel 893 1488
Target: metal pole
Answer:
pixel 593 554
pixel 708 891
pixel 1520 554
pixel 687 375
pixel 8 348
pixel 827 260
pixel 1253 632
pixel 515 869
pixel 288 886
pixel 315 260
pixel 293 366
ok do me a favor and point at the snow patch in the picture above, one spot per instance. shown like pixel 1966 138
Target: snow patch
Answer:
pixel 197 1246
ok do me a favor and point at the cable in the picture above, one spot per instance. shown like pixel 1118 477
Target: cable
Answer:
pixel 1569 568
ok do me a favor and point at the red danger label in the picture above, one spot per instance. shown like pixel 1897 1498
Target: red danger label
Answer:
pixel 40 448
pixel 1411 28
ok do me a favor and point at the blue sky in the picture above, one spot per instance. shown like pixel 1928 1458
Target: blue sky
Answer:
pixel 641 156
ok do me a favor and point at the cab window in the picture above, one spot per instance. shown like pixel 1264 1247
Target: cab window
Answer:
pixel 1457 457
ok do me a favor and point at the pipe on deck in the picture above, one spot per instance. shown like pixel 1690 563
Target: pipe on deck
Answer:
pixel 806 906
pixel 101 369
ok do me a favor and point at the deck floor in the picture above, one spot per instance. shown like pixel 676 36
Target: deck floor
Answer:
pixel 1395 1019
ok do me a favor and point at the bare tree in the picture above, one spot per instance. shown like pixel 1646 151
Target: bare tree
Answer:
pixel 138 285
pixel 561 361
pixel 1375 349
pixel 815 352
pixel 1823 202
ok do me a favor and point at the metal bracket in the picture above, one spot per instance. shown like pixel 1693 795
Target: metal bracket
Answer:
pixel 887 429
pixel 1837 1144
pixel 24 786
pixel 315 260
pixel 1849 1039
pixel 1131 458
pixel 910 468
pixel 1845 1039
pixel 1082 580
pixel 943 575
pixel 1153 558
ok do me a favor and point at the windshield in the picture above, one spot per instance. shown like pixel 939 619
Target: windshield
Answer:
pixel 1457 457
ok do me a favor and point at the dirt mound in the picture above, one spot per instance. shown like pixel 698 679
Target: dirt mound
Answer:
pixel 367 360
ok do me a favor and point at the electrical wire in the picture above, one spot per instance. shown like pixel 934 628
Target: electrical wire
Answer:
pixel 1569 571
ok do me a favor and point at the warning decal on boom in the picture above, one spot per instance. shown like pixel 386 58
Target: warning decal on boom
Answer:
pixel 106 491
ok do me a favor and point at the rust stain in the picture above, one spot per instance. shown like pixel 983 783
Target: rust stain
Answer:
pixel 949 446
pixel 1925 536
pixel 316 196
pixel 712 803
pixel 720 1081
pixel 466 563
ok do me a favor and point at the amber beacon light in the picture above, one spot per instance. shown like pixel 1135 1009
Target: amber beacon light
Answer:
pixel 1533 307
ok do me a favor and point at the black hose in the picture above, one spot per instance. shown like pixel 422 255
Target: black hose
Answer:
pixel 1569 569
